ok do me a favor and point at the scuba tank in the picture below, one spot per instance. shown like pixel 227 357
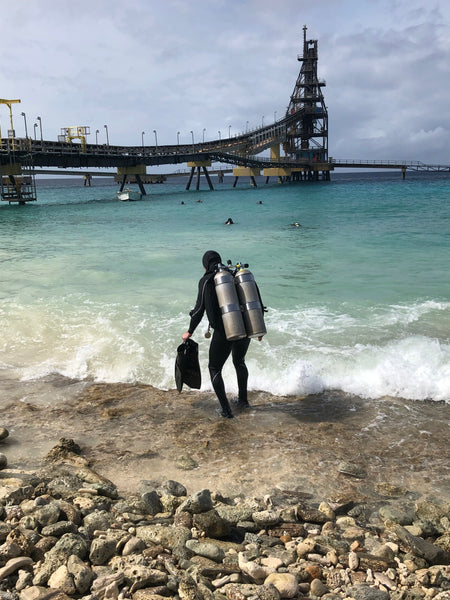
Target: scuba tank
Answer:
pixel 229 304
pixel 250 300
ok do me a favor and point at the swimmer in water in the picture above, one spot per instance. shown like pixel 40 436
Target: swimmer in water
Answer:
pixel 229 221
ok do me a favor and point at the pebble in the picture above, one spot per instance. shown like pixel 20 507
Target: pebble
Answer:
pixel 58 543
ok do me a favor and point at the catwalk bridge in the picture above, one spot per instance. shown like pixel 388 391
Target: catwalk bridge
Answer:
pixel 297 148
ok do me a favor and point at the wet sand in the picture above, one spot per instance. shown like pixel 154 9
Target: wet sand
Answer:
pixel 135 432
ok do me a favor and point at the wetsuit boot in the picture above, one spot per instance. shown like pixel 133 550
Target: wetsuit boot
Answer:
pixel 225 410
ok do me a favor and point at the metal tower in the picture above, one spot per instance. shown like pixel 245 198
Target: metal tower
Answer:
pixel 307 137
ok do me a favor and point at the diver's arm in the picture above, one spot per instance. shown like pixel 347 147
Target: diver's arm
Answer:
pixel 197 312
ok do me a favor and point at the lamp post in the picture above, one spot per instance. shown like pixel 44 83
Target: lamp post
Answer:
pixel 193 147
pixel 220 137
pixel 34 127
pixel 204 129
pixel 156 138
pixel 262 121
pixel 178 138
pixel 25 119
pixel 107 136
pixel 40 127
pixel 229 131
pixel 275 116
pixel 246 126
pixel 142 135
pixel 96 136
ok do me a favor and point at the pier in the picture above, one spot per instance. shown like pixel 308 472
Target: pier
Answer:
pixel 297 145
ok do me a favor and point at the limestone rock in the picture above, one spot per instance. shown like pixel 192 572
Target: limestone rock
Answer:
pixel 254 570
pixel 364 592
pixel 133 546
pixel 62 580
pixel 99 520
pixel 172 488
pixel 268 591
pixel 197 503
pixel 266 518
pixel 318 588
pixel 353 561
pixel 286 584
pixel 81 573
pixel 212 524
pixel 207 550
pixel 188 589
pixel 432 553
pixel 14 564
pixel 36 592
pixel 102 549
pixel 310 514
pixel 152 503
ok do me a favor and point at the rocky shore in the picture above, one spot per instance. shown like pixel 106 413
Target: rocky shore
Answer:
pixel 66 532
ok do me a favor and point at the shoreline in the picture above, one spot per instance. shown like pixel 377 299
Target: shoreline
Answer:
pixel 323 446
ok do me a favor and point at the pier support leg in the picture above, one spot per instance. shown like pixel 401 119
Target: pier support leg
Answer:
pixel 141 185
pixel 188 185
pixel 235 181
pixel 122 185
pixel 252 179
pixel 197 187
pixel 208 178
pixel 403 173
pixel 267 179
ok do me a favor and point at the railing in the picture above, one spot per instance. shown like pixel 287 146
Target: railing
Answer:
pixel 342 161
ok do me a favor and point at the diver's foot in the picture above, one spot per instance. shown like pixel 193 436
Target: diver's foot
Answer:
pixel 237 403
pixel 226 414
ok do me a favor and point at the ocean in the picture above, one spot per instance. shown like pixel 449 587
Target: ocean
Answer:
pixel 358 295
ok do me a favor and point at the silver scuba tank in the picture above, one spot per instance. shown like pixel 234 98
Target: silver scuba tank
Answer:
pixel 229 305
pixel 249 299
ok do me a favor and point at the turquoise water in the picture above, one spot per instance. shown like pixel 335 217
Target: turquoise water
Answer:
pixel 358 296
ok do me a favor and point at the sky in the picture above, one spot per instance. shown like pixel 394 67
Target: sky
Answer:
pixel 170 66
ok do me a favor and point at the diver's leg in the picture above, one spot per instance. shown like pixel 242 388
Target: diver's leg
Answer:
pixel 219 351
pixel 239 350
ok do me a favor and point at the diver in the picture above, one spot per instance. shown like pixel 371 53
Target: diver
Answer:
pixel 229 221
pixel 220 348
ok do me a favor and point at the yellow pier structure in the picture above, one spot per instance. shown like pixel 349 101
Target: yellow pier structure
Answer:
pixel 11 132
pixel 246 172
pixel 75 132
pixel 137 172
pixel 199 165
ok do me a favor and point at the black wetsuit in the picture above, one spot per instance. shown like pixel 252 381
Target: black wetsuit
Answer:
pixel 220 347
